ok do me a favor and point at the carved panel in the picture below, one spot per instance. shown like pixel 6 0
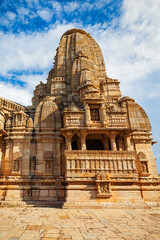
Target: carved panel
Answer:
pixel 94 114
pixel 103 185
pixel 17 158
pixel 16 166
pixel 74 119
pixel 48 157
pixel 48 166
pixel 33 163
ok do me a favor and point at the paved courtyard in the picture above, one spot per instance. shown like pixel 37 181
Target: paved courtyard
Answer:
pixel 26 223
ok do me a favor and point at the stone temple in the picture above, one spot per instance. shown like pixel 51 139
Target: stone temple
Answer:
pixel 80 143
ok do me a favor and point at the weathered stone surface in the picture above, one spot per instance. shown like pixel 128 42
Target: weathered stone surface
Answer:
pixel 78 224
pixel 80 142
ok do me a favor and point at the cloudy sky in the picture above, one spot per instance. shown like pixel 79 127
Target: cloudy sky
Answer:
pixel 127 31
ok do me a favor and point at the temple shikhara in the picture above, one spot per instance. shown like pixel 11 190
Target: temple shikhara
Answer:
pixel 80 143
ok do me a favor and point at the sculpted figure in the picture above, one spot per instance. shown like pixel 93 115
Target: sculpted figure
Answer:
pixel 16 166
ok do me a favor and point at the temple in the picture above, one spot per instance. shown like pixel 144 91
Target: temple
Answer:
pixel 80 143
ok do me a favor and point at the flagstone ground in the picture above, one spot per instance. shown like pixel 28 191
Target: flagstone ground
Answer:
pixel 28 223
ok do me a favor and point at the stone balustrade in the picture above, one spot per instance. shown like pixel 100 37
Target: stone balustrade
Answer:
pixel 88 163
pixel 10 106
pixel 119 121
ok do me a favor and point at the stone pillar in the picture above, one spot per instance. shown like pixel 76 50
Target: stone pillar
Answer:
pixel 68 137
pixel 26 157
pixel 57 163
pixel 120 144
pixel 83 135
pixel 113 141
pixel 87 115
pixel 128 144
pixel 8 157
pixel 106 142
pixel 40 168
pixel 103 114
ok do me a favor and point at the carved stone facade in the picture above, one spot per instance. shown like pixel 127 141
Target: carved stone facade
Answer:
pixel 79 142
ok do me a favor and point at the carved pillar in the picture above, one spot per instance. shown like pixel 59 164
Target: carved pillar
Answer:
pixel 57 162
pixel 83 135
pixel 8 157
pixel 106 142
pixel 26 157
pixel 120 144
pixel 113 141
pixel 87 115
pixel 128 144
pixel 68 137
pixel 103 114
pixel 39 158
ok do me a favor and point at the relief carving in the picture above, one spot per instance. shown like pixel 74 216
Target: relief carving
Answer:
pixel 16 166
pixel 103 185
pixel 48 167
pixel 17 158
pixel 94 114
pixel 32 163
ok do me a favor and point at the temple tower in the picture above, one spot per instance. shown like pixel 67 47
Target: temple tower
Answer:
pixel 80 142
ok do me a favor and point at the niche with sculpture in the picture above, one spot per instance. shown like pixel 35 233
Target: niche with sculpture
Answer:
pixel 103 185
pixel 48 157
pixel 143 164
pixel 17 158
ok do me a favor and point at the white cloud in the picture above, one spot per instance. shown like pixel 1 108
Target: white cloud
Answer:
pixel 132 50
pixel 45 14
pixel 130 44
pixel 10 15
pixel 57 6
pixel 71 7
pixel 16 93
pixel 32 80
pixel 23 11
pixel 26 52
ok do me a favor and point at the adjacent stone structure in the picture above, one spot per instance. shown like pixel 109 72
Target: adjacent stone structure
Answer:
pixel 79 142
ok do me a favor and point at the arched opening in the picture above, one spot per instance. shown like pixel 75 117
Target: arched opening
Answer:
pixel 120 143
pixel 75 142
pixel 94 142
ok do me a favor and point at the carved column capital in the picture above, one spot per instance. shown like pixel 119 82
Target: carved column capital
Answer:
pixel 68 136
pixel 83 134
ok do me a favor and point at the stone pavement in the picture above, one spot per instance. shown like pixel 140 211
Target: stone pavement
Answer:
pixel 29 223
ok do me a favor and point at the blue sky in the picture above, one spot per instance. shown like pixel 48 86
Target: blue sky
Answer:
pixel 127 31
